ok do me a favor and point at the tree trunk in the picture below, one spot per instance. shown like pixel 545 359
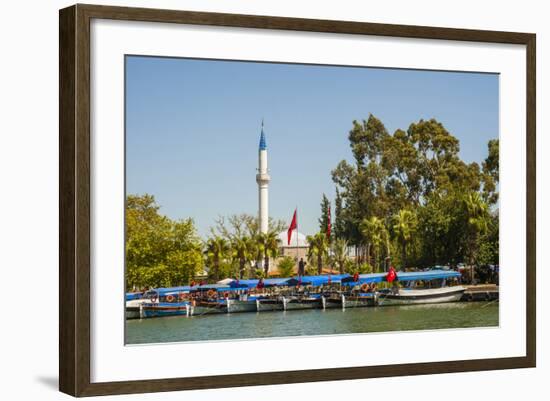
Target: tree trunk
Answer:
pixel 266 265
pixel 369 261
pixel 241 268
pixel 216 271
pixel 319 264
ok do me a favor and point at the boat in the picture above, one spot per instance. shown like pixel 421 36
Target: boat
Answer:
pixel 313 301
pixel 361 299
pixel 332 300
pixel 423 288
pixel 242 304
pixel 208 307
pixel 217 298
pixel 306 292
pixel 406 296
pixel 133 307
pixel 136 302
pixel 269 304
pixel 257 299
pixel 165 309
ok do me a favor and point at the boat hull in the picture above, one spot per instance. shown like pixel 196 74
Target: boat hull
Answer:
pixel 360 301
pixel 269 305
pixel 417 297
pixel 165 310
pixel 132 312
pixel 149 309
pixel 333 302
pixel 208 308
pixel 302 303
pixel 133 307
pixel 235 306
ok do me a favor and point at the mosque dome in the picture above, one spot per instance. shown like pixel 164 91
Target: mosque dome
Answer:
pixel 283 238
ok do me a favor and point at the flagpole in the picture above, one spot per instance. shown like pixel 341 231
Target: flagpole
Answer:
pixel 297 255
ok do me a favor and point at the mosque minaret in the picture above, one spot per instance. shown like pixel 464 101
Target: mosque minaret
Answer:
pixel 263 178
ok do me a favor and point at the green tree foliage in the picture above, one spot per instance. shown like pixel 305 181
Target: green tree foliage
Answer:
pixel 243 252
pixel 268 246
pixel 411 192
pixel 217 252
pixel 477 217
pixel 285 267
pixel 404 229
pixel 241 225
pixel 491 173
pixel 323 220
pixel 159 251
pixel 338 226
pixel 340 254
pixel 318 249
pixel 376 237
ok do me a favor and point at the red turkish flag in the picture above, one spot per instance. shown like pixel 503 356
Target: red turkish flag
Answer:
pixel 391 276
pixel 329 224
pixel 293 225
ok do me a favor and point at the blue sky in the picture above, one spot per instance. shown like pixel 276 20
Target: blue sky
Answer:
pixel 193 126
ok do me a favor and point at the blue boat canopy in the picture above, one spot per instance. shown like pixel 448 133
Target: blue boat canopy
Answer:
pixel 365 279
pixel 219 287
pixel 172 290
pixel 317 281
pixel 133 295
pixel 428 275
pixel 291 281
pixel 268 282
pixel 402 276
pixel 162 292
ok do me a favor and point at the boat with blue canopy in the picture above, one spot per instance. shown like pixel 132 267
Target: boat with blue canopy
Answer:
pixel 305 292
pixel 432 286
pixel 256 298
pixel 145 304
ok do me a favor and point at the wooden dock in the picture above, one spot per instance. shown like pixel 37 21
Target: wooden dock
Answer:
pixel 482 292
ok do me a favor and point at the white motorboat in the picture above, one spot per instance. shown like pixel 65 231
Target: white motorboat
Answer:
pixel 406 296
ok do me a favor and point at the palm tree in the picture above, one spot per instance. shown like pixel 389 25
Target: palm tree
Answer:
pixel 268 245
pixel 477 215
pixel 286 266
pixel 242 251
pixel 375 234
pixel 318 248
pixel 216 251
pixel 340 253
pixel 257 254
pixel 404 227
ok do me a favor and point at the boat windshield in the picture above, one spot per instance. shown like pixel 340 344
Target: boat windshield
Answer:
pixel 151 294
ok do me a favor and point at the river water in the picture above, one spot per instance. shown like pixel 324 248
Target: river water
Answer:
pixel 311 322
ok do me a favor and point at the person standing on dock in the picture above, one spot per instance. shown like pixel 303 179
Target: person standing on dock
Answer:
pixel 301 267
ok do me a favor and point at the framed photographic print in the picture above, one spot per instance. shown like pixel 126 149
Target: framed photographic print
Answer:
pixel 280 186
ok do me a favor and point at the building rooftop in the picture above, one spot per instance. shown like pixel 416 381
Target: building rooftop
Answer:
pixel 283 238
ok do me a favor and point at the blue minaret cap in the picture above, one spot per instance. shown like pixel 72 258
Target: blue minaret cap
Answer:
pixel 263 145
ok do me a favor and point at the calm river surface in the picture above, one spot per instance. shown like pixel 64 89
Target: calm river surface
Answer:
pixel 311 322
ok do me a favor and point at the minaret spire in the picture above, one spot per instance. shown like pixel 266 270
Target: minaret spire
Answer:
pixel 263 143
pixel 263 178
